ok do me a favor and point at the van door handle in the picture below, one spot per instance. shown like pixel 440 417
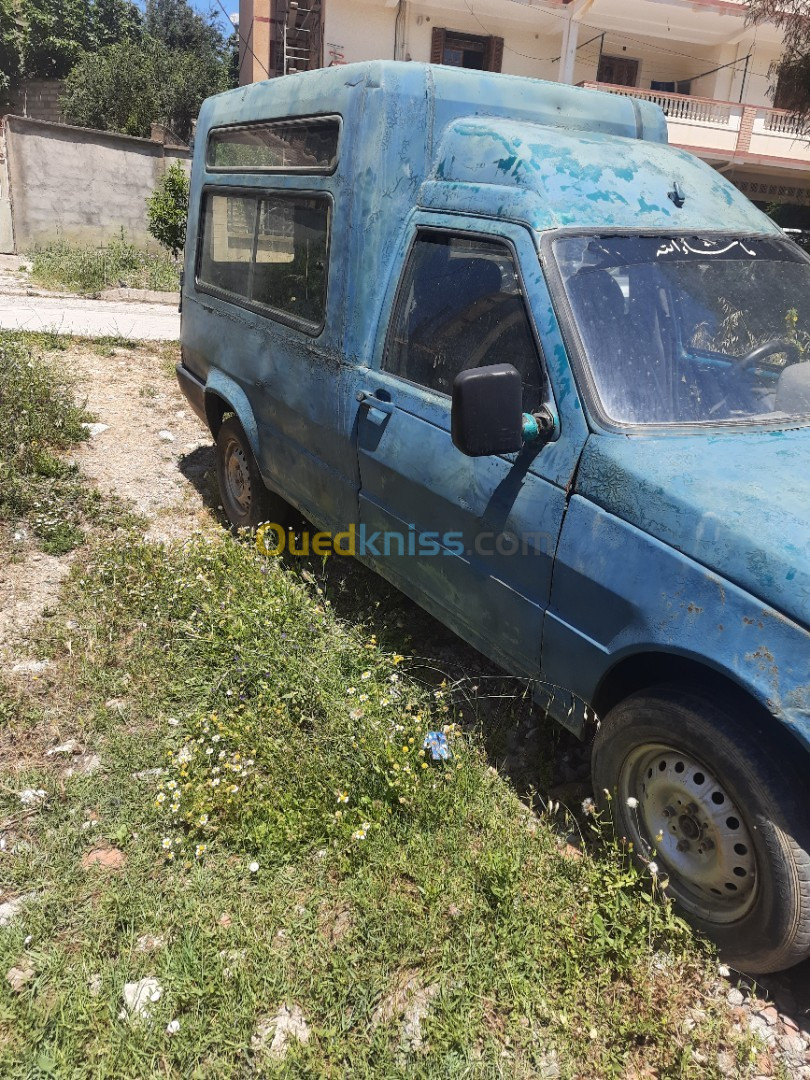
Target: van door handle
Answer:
pixel 365 397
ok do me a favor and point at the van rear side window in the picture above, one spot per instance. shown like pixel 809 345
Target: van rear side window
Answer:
pixel 283 146
pixel 267 251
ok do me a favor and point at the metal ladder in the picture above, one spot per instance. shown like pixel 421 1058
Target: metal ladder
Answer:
pixel 301 36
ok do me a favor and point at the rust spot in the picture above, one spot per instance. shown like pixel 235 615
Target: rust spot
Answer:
pixel 693 609
pixel 764 653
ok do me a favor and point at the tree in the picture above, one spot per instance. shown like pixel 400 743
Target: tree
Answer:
pixel 9 47
pixel 45 38
pixel 791 73
pixel 55 33
pixel 120 88
pixel 167 209
pixel 178 59
pixel 127 88
pixel 114 21
pixel 182 29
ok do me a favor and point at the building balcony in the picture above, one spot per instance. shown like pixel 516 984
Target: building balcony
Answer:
pixel 725 132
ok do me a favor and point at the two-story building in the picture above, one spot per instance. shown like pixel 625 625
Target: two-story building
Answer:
pixel 701 60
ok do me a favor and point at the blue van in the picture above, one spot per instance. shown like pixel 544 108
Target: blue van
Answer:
pixel 547 375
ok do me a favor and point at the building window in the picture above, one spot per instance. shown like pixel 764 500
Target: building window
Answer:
pixel 455 49
pixel 617 71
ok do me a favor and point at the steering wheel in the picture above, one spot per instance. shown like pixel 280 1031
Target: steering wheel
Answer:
pixel 775 345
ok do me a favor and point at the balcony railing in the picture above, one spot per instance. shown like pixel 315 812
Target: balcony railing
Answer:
pixel 782 123
pixel 682 107
pixel 723 127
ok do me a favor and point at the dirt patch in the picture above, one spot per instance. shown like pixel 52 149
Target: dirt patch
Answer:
pixel 26 589
pixel 108 858
pixel 154 453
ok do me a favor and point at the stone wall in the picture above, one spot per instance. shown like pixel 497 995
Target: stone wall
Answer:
pixel 81 185
pixel 38 99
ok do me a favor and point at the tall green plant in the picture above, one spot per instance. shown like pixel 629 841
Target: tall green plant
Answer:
pixel 55 34
pixel 129 87
pixel 10 44
pixel 167 209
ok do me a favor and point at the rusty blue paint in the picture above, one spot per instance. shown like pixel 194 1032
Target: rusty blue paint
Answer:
pixel 648 545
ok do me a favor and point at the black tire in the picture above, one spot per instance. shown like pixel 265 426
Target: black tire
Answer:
pixel 743 876
pixel 245 499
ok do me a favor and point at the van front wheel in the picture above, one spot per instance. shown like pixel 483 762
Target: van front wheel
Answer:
pixel 246 501
pixel 711 796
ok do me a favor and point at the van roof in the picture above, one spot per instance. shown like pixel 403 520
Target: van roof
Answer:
pixel 451 92
pixel 558 154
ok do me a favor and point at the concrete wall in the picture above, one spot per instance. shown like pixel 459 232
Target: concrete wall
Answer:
pixel 6 228
pixel 37 98
pixel 81 185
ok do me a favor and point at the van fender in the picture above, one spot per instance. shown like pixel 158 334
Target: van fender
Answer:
pixel 221 389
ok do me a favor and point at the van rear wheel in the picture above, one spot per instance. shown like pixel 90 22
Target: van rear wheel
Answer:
pixel 245 499
pixel 717 805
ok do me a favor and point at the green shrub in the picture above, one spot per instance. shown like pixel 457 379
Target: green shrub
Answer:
pixel 118 264
pixel 167 209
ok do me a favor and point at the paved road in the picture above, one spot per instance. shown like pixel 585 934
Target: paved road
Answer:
pixel 90 318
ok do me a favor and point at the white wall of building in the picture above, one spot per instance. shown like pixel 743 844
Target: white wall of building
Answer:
pixel 365 29
pixel 360 31
pixel 757 81
pixel 524 53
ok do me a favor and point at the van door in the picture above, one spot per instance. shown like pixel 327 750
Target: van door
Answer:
pixel 472 540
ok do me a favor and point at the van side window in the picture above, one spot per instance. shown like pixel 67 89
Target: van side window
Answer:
pixel 309 145
pixel 290 272
pixel 227 249
pixel 267 251
pixel 460 305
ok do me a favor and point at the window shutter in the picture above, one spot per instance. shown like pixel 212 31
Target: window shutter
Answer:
pixel 437 45
pixel 494 54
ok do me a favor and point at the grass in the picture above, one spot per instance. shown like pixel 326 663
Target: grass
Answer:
pixel 248 744
pixel 41 491
pixel 298 847
pixel 118 264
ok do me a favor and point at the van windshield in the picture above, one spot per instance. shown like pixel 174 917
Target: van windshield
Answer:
pixel 692 330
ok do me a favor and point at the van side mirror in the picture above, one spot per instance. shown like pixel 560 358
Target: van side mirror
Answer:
pixel 487 413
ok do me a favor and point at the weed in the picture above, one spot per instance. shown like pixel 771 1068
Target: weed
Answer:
pixel 119 263
pixel 40 420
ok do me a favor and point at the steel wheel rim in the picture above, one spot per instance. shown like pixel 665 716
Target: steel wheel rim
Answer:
pixel 696 831
pixel 237 477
